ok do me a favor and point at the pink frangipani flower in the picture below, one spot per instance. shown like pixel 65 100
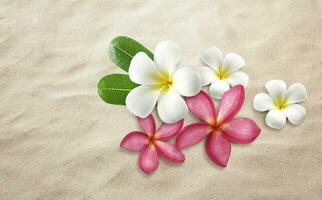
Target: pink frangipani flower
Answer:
pixel 151 143
pixel 219 126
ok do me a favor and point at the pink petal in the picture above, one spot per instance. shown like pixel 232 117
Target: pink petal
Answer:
pixel 231 103
pixel 167 131
pixel 148 159
pixel 242 131
pixel 147 124
pixel 134 141
pixel 218 149
pixel 202 107
pixel 192 134
pixel 169 152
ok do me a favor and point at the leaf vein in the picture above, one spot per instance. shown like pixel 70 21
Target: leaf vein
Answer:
pixel 117 89
pixel 119 48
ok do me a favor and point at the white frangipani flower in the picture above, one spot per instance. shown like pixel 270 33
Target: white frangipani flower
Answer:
pixel 162 82
pixel 223 72
pixel 281 103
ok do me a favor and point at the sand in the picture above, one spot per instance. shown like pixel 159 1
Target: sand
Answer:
pixel 59 140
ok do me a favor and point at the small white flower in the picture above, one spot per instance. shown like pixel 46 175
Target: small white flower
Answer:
pixel 223 72
pixel 281 103
pixel 162 82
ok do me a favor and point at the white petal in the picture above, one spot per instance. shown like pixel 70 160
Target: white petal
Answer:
pixel 218 88
pixel 172 107
pixel 295 113
pixel 233 62
pixel 186 80
pixel 141 100
pixel 263 102
pixel 167 55
pixel 207 75
pixel 296 93
pixel 276 88
pixel 275 119
pixel 212 57
pixel 237 78
pixel 142 69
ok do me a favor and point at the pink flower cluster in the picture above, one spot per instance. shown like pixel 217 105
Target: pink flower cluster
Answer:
pixel 217 126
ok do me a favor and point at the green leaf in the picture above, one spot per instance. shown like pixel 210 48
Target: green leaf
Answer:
pixel 122 49
pixel 114 88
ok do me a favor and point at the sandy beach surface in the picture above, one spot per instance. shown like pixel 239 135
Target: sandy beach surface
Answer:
pixel 59 140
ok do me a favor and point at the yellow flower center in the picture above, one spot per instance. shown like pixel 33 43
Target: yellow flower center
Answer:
pixel 280 103
pixel 216 126
pixel 163 82
pixel 222 73
pixel 151 140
